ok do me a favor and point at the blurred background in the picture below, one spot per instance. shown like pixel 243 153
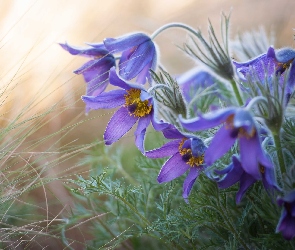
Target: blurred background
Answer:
pixel 36 73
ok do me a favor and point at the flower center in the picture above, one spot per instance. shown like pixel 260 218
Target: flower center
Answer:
pixel 188 157
pixel 135 106
pixel 261 169
pixel 238 132
pixel 281 67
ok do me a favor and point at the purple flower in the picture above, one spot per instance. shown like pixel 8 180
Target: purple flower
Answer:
pixel 234 173
pixel 192 80
pixel 238 123
pixel 186 154
pixel 272 62
pixel 286 224
pixel 136 105
pixel 95 71
pixel 138 55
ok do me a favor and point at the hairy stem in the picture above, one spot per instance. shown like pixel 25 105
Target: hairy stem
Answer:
pixel 282 168
pixel 174 25
pixel 237 93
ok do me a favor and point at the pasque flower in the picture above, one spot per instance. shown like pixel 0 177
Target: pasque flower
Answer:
pixel 137 58
pixel 238 123
pixel 234 173
pixel 135 105
pixel 272 62
pixel 187 153
pixel 286 224
pixel 271 75
pixel 95 71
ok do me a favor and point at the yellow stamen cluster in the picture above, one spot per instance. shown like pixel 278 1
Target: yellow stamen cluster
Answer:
pixel 285 65
pixel 244 133
pixel 192 160
pixel 229 124
pixel 261 169
pixel 141 108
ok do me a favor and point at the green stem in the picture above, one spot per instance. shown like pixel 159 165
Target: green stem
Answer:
pixel 237 92
pixel 174 25
pixel 277 141
pixel 255 100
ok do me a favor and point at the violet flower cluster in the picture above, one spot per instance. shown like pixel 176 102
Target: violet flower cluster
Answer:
pixel 242 127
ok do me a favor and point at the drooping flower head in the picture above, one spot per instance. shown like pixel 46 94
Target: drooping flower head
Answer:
pixel 286 224
pixel 95 71
pixel 234 173
pixel 138 55
pixel 274 62
pixel 187 153
pixel 135 105
pixel 238 123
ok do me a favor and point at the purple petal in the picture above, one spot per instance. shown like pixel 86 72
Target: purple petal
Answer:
pixel 102 64
pixel 170 132
pixel 287 226
pixel 124 59
pixel 168 149
pixel 226 170
pixel 96 87
pixel 172 168
pixel 208 120
pixel 285 55
pixel 259 64
pixel 106 100
pixel 250 62
pixel 154 64
pixel 117 81
pixel 245 182
pixel 144 75
pixel 82 51
pixel 120 123
pixel 143 123
pixel 251 154
pixel 136 62
pixel 125 42
pixel 263 159
pixel 284 215
pixel 234 172
pixel 289 198
pixel 96 77
pixel 189 182
pixel 270 52
pixel 158 125
pixel 269 180
pixel 220 144
pixel 97 45
pixel 291 79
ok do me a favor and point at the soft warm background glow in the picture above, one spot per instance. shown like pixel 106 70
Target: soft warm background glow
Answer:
pixel 30 31
pixel 33 67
